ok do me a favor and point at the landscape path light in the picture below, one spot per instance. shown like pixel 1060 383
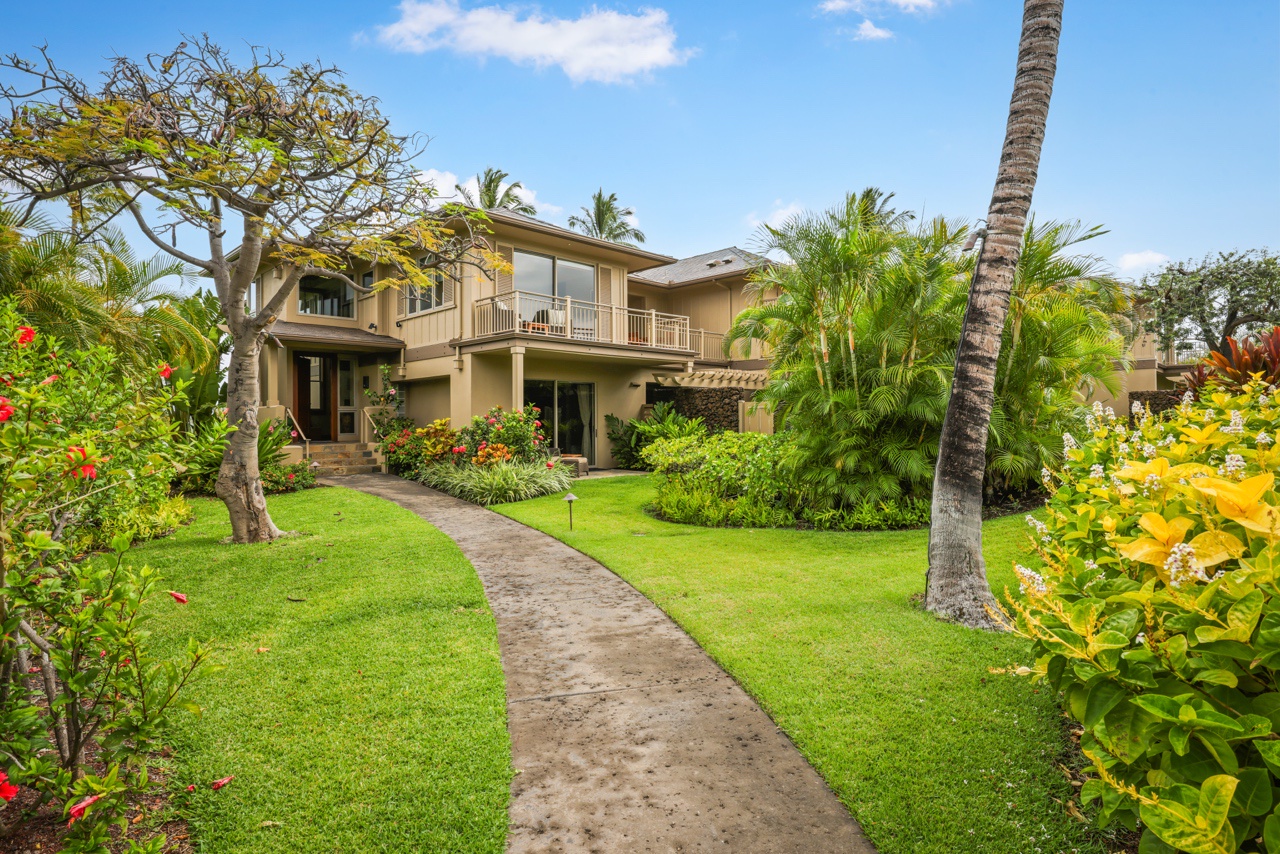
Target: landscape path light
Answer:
pixel 571 498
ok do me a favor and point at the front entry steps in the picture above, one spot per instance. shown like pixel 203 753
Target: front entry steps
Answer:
pixel 343 458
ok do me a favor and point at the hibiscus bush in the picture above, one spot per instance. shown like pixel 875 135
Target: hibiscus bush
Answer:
pixel 748 480
pixel 1156 614
pixel 84 448
pixel 519 432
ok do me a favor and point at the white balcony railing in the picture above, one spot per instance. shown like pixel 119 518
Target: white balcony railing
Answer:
pixel 579 320
pixel 708 345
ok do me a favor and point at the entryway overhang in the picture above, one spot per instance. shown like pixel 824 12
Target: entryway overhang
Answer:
pixel 334 337
pixel 714 379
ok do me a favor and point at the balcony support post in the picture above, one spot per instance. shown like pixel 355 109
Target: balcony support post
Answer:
pixel 517 379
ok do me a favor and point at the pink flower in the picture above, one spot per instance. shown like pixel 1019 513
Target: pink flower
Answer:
pixel 537 424
pixel 180 598
pixel 218 784
pixel 52 378
pixel 80 464
pixel 7 789
pixel 293 434
pixel 191 788
pixel 77 811
pixel 165 371
pixel 289 476
pixel 26 335
pixel 392 392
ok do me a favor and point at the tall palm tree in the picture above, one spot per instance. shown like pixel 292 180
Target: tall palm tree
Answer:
pixel 607 220
pixel 493 195
pixel 956 587
pixel 41 269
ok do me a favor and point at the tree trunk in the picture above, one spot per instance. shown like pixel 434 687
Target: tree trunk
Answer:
pixel 956 587
pixel 239 485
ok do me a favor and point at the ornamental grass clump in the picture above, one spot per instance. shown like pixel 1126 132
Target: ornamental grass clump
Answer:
pixel 1156 613
pixel 499 482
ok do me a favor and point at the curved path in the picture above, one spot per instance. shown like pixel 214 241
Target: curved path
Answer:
pixel 625 735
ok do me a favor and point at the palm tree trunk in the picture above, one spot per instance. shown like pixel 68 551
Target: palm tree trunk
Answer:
pixel 956 587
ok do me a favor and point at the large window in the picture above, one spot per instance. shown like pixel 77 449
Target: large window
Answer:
pixel 542 274
pixel 425 298
pixel 327 297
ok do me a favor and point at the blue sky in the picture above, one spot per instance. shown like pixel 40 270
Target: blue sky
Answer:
pixel 710 117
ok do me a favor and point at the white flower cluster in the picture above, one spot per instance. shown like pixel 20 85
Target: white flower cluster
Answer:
pixel 1090 564
pixel 1046 477
pixel 1029 579
pixel 1123 447
pixel 1209 415
pixel 1232 467
pixel 1069 442
pixel 1151 484
pixel 1236 427
pixel 1097 471
pixel 1041 529
pixel 1263 438
pixel 1140 639
pixel 1181 566
pixel 1149 450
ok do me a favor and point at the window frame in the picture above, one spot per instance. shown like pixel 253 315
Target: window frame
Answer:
pixel 351 302
pixel 555 274
pixel 413 294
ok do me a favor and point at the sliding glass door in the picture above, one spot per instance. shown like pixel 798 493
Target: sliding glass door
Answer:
pixel 568 414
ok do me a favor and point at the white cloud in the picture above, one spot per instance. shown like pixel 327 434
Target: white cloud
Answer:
pixel 869 32
pixel 1134 263
pixel 446 183
pixel 780 214
pixel 839 7
pixel 600 45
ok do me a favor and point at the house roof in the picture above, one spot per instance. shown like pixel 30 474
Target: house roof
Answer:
pixel 703 268
pixel 520 220
pixel 314 333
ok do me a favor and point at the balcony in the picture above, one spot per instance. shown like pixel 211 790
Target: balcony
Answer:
pixel 568 319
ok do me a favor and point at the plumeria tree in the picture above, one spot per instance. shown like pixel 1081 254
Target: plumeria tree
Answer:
pixel 268 164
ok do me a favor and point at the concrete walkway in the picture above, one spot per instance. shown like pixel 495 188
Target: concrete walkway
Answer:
pixel 625 735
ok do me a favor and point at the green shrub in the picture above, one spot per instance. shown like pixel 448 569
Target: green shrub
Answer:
pixel 520 432
pixel 278 478
pixel 499 482
pixel 1157 615
pixel 630 438
pixel 746 480
pixel 202 454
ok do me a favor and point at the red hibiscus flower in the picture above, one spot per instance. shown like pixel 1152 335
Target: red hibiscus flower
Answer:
pixel 165 371
pixel 6 409
pixel 77 811
pixel 180 598
pixel 26 335
pixel 289 476
pixel 218 784
pixel 7 789
pixel 550 464
pixel 80 464
pixel 191 788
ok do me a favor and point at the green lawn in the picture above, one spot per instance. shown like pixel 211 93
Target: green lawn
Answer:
pixel 897 710
pixel 375 722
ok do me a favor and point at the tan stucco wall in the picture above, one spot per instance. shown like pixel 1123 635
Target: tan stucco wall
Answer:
pixel 427 400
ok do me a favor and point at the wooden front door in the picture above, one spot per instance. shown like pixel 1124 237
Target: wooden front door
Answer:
pixel 315 392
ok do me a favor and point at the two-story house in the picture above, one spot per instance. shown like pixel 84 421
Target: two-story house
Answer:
pixel 580 327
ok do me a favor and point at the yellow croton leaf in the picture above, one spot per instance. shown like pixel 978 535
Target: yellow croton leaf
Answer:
pixel 1214 547
pixel 1140 471
pixel 1264 519
pixel 1202 435
pixel 1236 500
pixel 1165 534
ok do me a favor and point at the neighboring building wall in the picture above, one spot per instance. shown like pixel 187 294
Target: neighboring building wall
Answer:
pixel 1143 375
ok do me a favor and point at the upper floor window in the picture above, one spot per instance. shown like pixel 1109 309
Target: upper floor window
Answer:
pixel 543 274
pixel 326 297
pixel 251 298
pixel 366 280
pixel 424 298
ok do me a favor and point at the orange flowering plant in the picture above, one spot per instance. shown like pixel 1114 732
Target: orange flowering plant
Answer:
pixel 1156 614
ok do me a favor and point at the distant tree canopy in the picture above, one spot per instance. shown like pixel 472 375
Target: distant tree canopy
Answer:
pixel 1227 295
